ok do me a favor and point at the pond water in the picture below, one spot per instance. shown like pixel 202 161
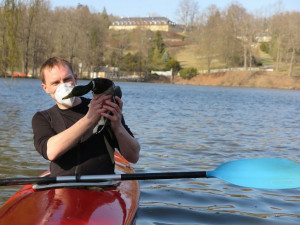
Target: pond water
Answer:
pixel 180 128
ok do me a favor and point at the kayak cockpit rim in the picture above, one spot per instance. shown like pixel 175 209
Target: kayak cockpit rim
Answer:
pixel 110 180
pixel 99 185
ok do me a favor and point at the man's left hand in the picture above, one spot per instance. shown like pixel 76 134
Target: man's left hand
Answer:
pixel 116 112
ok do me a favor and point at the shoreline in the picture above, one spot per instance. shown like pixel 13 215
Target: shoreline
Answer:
pixel 250 79
pixel 243 79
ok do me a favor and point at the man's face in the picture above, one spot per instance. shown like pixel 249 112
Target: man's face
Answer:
pixel 56 76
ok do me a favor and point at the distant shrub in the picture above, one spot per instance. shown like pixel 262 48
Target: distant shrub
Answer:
pixel 255 61
pixel 188 73
pixel 265 47
pixel 173 64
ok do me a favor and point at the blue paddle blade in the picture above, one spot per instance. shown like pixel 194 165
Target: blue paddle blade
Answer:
pixel 269 173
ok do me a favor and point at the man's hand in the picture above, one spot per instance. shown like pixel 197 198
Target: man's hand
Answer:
pixel 115 116
pixel 96 108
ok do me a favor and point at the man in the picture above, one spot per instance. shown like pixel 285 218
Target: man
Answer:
pixel 64 134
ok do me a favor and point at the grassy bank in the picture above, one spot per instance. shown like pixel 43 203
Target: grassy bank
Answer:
pixel 244 79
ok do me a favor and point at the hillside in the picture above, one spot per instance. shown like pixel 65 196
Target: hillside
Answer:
pixel 186 53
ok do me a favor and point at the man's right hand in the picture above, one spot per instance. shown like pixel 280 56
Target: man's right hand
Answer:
pixel 96 108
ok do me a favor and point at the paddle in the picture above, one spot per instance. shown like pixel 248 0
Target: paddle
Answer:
pixel 269 173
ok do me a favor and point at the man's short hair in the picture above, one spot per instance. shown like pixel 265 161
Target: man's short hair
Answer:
pixel 52 62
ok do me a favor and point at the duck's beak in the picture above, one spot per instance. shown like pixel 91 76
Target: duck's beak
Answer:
pixel 80 90
pixel 70 95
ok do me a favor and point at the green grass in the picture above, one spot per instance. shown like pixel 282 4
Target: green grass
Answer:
pixel 188 57
pixel 266 59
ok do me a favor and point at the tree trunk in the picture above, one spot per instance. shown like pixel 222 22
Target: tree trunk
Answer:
pixel 245 56
pixel 292 63
pixel 250 59
pixel 208 63
pixel 278 57
pixel 27 52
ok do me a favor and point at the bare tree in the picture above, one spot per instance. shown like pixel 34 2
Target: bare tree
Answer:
pixel 42 37
pixel 232 49
pixel 209 36
pixel 29 22
pixel 241 23
pixel 294 39
pixel 285 29
pixel 10 51
pixel 277 32
pixel 187 12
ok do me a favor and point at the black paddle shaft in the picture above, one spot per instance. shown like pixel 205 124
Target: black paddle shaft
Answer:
pixel 169 175
pixel 98 178
pixel 27 180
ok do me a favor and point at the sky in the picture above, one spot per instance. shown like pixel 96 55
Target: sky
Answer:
pixel 168 8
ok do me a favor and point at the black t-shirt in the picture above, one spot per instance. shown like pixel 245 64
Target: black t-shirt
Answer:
pixel 89 156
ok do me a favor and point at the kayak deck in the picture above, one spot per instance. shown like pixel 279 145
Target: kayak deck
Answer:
pixel 109 205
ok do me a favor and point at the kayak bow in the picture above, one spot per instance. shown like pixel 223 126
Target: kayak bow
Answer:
pixel 109 204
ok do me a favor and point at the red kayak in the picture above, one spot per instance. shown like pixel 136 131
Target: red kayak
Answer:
pixel 109 204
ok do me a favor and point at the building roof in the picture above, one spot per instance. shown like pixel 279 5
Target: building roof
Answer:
pixel 129 21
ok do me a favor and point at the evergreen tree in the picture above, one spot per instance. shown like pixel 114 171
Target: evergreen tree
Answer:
pixel 156 52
